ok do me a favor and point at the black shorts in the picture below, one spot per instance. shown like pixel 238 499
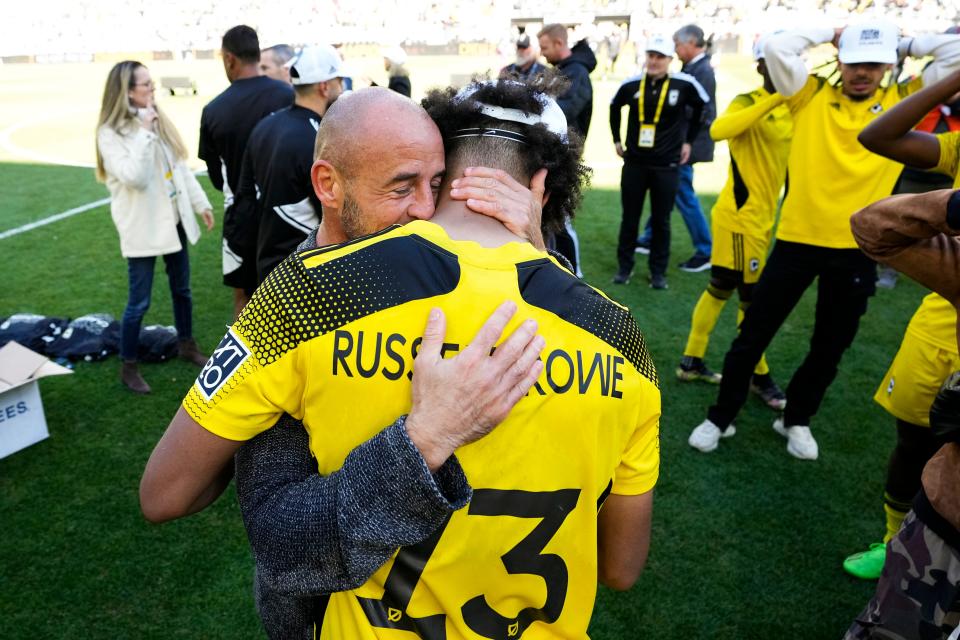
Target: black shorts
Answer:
pixel 240 248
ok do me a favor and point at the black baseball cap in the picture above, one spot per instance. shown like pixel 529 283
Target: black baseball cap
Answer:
pixel 523 42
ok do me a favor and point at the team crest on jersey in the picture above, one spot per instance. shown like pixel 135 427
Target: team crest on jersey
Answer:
pixel 877 108
pixel 754 265
pixel 890 386
pixel 673 96
pixel 226 359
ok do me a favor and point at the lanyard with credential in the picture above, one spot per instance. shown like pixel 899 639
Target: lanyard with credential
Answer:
pixel 648 131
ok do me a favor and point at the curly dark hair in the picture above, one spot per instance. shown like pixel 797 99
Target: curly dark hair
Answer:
pixel 566 175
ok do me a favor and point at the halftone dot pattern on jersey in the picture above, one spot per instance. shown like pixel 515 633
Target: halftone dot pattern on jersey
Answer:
pixel 296 304
pixel 545 285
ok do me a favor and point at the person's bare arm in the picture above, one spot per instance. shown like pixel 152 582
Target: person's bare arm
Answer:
pixel 623 539
pixel 188 469
pixel 892 136
pixel 916 235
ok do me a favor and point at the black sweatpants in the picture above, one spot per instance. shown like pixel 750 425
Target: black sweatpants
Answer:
pixel 662 183
pixel 845 281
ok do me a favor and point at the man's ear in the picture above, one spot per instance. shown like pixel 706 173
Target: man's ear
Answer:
pixel 326 184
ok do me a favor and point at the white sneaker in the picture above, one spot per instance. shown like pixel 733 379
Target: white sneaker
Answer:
pixel 706 436
pixel 800 442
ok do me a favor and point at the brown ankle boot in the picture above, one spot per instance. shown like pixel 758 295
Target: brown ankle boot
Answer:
pixel 131 378
pixel 189 351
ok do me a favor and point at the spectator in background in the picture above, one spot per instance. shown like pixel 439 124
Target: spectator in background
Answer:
pixel 225 125
pixel 577 104
pixel 526 64
pixel 660 132
pixel 273 62
pixel 692 50
pixel 394 62
pixel 142 159
pixel 276 165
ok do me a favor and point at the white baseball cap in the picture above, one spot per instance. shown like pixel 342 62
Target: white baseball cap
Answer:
pixel 316 63
pixel 874 41
pixel 661 44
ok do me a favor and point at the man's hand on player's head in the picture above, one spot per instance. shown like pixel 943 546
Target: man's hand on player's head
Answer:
pixel 495 193
pixel 459 400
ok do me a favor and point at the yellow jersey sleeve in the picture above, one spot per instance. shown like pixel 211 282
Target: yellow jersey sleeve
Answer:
pixel 949 153
pixel 744 111
pixel 258 371
pixel 803 97
pixel 639 466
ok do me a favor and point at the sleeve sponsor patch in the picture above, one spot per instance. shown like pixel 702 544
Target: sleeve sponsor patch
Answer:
pixel 226 359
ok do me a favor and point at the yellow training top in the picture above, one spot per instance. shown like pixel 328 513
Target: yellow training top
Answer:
pixel 758 127
pixel 831 174
pixel 330 338
pixel 936 319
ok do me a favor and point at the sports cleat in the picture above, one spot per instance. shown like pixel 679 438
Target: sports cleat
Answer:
pixel 867 565
pixel 658 281
pixel 692 369
pixel 696 264
pixel 643 247
pixel 768 390
pixel 707 436
pixel 622 277
pixel 800 442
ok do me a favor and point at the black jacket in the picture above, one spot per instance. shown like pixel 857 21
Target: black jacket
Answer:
pixel 703 145
pixel 577 101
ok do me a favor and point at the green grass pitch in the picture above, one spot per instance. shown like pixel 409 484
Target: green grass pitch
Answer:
pixel 747 542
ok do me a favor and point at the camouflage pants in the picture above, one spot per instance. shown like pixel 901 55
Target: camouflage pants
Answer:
pixel 918 596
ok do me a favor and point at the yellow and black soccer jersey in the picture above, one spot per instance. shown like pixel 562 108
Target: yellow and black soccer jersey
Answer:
pixel 330 338
pixel 831 174
pixel 758 128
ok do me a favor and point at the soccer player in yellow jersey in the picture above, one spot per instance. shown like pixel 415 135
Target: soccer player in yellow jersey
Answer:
pixel 928 353
pixel 524 559
pixel 758 128
pixel 831 176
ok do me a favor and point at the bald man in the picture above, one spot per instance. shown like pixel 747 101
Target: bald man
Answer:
pixel 462 263
pixel 393 178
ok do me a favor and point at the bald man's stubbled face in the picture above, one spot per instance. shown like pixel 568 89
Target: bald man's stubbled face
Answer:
pixel 396 175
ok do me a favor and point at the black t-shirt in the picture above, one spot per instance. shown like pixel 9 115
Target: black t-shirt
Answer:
pixel 276 173
pixel 226 124
pixel 684 96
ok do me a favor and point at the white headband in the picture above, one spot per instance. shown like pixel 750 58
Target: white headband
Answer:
pixel 552 117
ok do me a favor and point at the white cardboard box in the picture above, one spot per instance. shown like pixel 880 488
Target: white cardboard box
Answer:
pixel 22 422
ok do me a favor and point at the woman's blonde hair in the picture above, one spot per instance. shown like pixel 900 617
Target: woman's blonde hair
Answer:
pixel 117 113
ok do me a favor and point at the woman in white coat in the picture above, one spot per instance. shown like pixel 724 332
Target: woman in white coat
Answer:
pixel 154 203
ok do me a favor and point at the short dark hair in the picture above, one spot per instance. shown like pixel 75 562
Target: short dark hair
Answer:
pixel 284 52
pixel 242 41
pixel 566 174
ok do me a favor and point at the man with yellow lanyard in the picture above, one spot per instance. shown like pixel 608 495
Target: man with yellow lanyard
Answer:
pixel 831 176
pixel 659 135
pixel 928 353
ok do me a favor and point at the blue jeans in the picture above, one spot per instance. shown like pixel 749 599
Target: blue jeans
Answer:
pixel 140 274
pixel 689 206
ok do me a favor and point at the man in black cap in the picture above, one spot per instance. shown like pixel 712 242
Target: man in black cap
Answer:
pixel 526 65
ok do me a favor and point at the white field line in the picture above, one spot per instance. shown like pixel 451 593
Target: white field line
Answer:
pixel 54 218
pixel 64 214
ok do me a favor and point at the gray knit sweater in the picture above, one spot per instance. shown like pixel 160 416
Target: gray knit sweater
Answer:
pixel 313 534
